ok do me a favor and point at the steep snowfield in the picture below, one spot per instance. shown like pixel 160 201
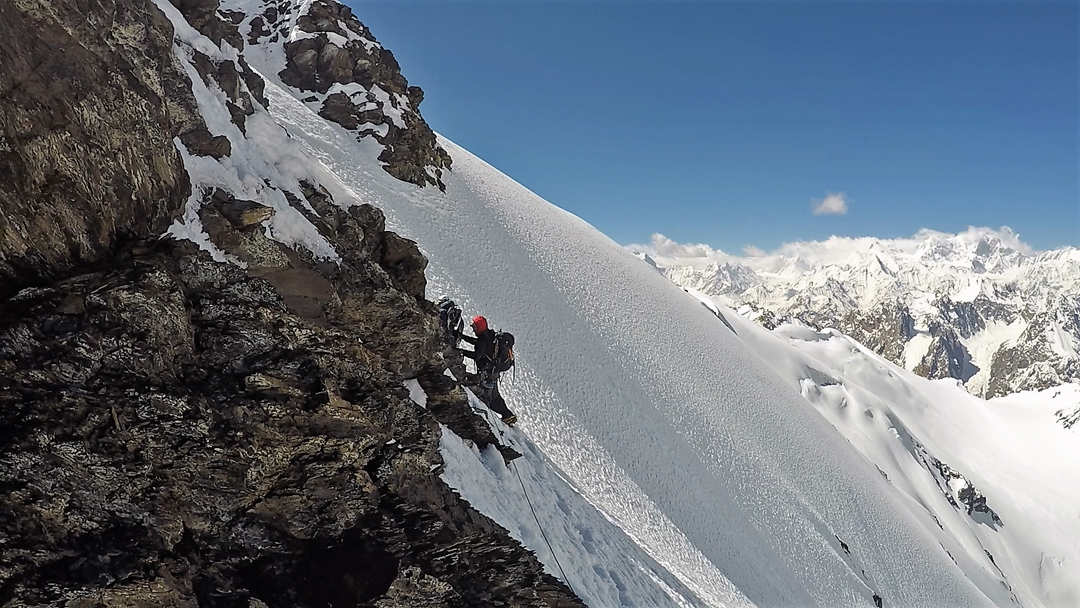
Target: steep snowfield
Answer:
pixel 1011 450
pixel 541 508
pixel 659 415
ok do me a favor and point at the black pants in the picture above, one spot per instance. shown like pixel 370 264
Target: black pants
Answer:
pixel 494 400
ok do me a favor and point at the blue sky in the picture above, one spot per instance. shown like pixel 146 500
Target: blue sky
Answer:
pixel 724 122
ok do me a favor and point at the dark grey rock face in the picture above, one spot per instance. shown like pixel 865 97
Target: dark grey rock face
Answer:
pixel 203 16
pixel 1030 362
pixel 884 331
pixel 960 492
pixel 90 100
pixel 946 357
pixel 174 433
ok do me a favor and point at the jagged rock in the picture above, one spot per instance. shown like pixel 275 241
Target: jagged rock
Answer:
pixel 203 16
pixel 207 446
pixel 245 213
pixel 155 594
pixel 1025 361
pixel 87 119
pixel 382 290
pixel 411 152
pixel 413 155
pixel 885 330
pixel 414 589
pixel 340 109
pixel 225 76
pixel 447 402
pixel 255 84
pixel 258 30
pixel 200 142
pixel 946 357
pixel 959 491
pixel 403 260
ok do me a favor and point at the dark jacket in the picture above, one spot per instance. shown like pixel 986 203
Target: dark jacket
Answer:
pixel 484 354
pixel 483 350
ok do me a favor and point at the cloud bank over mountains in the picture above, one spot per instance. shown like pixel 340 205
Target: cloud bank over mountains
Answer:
pixel 834 250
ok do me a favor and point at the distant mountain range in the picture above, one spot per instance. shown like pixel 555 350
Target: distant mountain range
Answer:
pixel 979 306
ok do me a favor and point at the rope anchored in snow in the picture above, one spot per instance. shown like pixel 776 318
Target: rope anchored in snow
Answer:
pixel 532 508
pixel 541 528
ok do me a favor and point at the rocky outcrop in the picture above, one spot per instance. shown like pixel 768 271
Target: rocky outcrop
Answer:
pixel 1068 418
pixel 1028 361
pixel 884 331
pixel 340 55
pixel 969 318
pixel 241 85
pixel 90 101
pixel 946 357
pixel 958 490
pixel 203 15
pixel 175 433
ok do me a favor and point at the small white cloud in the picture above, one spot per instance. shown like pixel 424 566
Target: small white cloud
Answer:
pixel 833 204
pixel 753 252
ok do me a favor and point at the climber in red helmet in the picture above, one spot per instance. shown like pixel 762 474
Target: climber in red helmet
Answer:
pixel 484 354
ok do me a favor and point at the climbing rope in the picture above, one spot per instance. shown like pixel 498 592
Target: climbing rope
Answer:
pixel 566 579
pixel 532 508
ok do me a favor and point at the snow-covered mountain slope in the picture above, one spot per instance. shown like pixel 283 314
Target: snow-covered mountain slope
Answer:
pixel 979 306
pixel 639 410
pixel 995 477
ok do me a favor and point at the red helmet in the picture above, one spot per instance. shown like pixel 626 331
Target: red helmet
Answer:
pixel 479 324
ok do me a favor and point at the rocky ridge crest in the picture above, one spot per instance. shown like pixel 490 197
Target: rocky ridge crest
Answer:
pixel 352 80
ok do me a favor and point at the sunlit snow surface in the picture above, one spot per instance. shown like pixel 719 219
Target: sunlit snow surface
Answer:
pixel 574 540
pixel 1012 449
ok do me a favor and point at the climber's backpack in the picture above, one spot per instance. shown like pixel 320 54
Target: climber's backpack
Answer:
pixel 504 351
pixel 450 319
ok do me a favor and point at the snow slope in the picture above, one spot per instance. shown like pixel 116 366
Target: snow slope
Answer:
pixel 660 416
pixel 640 411
pixel 542 509
pixel 935 442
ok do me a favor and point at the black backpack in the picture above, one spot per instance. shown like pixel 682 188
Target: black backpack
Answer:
pixel 450 319
pixel 504 351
